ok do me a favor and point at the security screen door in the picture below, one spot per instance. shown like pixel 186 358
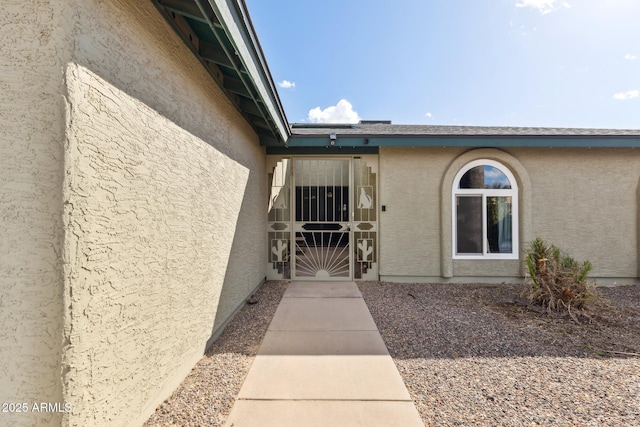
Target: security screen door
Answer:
pixel 322 218
pixel 321 225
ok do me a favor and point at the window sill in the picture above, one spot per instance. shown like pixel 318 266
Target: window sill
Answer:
pixel 487 257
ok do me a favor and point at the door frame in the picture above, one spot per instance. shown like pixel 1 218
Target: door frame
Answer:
pixel 296 225
pixel 364 171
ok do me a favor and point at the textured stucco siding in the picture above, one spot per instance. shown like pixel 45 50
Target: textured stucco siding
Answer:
pixel 410 180
pixel 31 153
pixel 583 200
pixel 164 215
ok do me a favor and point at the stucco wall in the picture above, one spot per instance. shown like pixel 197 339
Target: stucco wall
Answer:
pixel 164 197
pixel 583 200
pixel 410 227
pixel 31 123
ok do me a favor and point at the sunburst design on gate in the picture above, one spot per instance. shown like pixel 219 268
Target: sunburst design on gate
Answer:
pixel 322 254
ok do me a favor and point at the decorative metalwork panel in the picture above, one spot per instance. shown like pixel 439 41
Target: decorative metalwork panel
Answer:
pixel 365 249
pixel 279 221
pixel 322 190
pixel 280 254
pixel 279 249
pixel 321 219
pixel 322 254
pixel 365 182
pixel 365 223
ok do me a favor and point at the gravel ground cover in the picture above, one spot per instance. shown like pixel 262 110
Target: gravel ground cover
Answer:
pixel 470 355
pixel 475 355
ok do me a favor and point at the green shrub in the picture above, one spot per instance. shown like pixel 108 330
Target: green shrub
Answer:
pixel 556 281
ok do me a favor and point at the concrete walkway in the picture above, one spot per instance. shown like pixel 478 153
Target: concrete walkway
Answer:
pixel 323 363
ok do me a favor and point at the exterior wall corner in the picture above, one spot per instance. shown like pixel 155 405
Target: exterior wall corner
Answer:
pixel 35 48
pixel 638 228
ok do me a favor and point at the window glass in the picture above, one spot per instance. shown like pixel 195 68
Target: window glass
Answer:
pixel 499 225
pixel 485 198
pixel 484 177
pixel 469 222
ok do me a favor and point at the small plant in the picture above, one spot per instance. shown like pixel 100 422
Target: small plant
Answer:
pixel 556 281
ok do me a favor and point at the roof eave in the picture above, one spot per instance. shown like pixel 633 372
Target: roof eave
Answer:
pixel 378 140
pixel 235 18
pixel 247 81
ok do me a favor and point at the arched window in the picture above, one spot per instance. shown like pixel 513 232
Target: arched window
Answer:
pixel 485 209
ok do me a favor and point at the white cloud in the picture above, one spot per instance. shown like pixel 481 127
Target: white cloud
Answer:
pixel 544 6
pixel 630 94
pixel 342 112
pixel 428 115
pixel 494 175
pixel 630 57
pixel 286 84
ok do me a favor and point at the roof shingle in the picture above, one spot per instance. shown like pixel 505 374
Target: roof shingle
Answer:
pixel 387 129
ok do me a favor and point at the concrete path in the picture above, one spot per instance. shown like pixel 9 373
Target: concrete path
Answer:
pixel 323 363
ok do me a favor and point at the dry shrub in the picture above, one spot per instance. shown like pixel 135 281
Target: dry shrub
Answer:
pixel 556 281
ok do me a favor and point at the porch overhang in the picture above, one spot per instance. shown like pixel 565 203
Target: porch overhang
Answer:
pixel 220 34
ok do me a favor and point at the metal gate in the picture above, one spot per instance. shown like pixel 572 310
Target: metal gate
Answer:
pixel 322 219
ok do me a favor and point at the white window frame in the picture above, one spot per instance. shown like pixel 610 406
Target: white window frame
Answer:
pixel 512 192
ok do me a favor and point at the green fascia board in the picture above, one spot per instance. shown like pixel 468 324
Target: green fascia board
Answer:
pixel 211 32
pixel 465 141
pixel 325 151
pixel 235 23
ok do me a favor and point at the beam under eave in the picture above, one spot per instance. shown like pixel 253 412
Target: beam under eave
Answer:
pixel 236 86
pixel 259 122
pixel 245 77
pixel 237 25
pixel 215 72
pixel 213 53
pixel 188 35
pixel 225 61
pixel 183 7
pixel 250 107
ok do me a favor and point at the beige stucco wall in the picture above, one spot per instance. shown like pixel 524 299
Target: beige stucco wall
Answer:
pixel 583 200
pixel 132 210
pixel 164 213
pixel 410 227
pixel 33 35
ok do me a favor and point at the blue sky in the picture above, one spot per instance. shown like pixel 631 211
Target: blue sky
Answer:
pixel 552 63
